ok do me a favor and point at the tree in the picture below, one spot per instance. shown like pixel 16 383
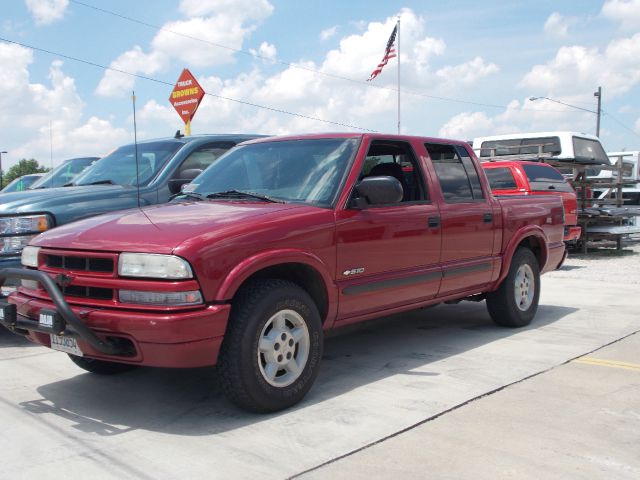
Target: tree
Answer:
pixel 23 167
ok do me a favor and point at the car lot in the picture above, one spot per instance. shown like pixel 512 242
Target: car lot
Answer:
pixel 385 388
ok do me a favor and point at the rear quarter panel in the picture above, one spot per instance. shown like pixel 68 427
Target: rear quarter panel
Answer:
pixel 541 218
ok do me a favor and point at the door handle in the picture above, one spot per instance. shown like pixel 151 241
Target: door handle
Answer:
pixel 433 222
pixel 487 218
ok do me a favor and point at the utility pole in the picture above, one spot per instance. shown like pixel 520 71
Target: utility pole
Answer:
pixel 599 95
pixel 1 169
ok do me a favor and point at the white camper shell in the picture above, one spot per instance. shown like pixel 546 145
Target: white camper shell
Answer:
pixel 570 147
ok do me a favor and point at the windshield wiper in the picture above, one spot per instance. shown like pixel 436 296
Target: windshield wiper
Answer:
pixel 243 194
pixel 197 196
pixel 98 182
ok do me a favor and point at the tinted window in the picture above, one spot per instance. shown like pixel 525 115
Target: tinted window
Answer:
pixel 520 146
pixel 500 178
pixel 499 147
pixel 543 177
pixel 474 180
pixel 119 167
pixel 587 149
pixel 203 157
pixel 64 173
pixel 453 175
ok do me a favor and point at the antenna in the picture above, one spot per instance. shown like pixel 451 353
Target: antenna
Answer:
pixel 135 143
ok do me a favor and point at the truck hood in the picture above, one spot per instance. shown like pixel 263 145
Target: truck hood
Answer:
pixel 48 199
pixel 159 228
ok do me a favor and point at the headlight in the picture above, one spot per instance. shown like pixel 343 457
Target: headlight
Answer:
pixel 25 224
pixel 151 265
pixel 17 232
pixel 161 298
pixel 30 256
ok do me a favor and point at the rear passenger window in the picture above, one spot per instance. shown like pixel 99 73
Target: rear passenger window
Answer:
pixel 543 177
pixel 500 178
pixel 456 173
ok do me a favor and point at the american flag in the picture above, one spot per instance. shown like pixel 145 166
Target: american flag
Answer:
pixel 389 52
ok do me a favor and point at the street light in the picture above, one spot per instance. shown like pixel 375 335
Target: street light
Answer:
pixel 1 169
pixel 598 112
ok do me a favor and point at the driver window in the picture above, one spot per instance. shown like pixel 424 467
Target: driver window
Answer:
pixel 396 159
pixel 204 156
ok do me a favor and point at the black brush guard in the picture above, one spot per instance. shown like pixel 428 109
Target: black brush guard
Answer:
pixel 64 321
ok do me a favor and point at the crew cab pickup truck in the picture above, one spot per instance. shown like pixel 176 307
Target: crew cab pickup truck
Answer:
pixel 108 185
pixel 276 242
pixel 535 178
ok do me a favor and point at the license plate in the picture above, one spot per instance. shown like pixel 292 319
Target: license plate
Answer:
pixel 65 344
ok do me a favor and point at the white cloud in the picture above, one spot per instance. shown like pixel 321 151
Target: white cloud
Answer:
pixel 211 35
pixel 627 12
pixel 298 88
pixel 637 126
pixel 115 83
pixel 556 25
pixel 266 50
pixel 466 74
pixel 519 116
pixel 37 113
pixel 47 11
pixel 579 69
pixel 327 33
pixel 237 9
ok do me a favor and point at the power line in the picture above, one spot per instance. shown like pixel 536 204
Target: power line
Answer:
pixel 282 62
pixel 620 123
pixel 162 82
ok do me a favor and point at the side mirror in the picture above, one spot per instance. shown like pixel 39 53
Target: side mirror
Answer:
pixel 175 184
pixel 381 190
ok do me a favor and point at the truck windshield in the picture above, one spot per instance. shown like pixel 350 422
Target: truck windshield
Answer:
pixel 63 173
pixel 309 170
pixel 119 167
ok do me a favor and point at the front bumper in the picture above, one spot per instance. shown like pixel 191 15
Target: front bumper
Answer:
pixel 183 339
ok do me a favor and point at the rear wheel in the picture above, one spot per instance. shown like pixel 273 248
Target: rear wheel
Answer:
pixel 272 348
pixel 101 367
pixel 515 303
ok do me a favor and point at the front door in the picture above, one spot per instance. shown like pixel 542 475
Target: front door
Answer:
pixel 388 254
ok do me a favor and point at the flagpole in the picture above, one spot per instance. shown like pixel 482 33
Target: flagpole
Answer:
pixel 398 75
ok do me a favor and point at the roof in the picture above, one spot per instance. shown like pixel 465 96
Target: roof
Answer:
pixel 510 136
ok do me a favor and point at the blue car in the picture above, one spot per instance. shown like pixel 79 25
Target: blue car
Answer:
pixel 115 182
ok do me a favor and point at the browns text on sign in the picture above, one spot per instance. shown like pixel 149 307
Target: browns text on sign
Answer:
pixel 186 97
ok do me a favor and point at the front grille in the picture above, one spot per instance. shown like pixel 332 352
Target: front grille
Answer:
pixel 87 264
pixel 88 292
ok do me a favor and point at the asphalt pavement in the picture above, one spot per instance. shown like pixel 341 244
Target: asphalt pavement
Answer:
pixel 435 393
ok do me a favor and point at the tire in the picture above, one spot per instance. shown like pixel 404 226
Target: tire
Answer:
pixel 101 367
pixel 272 347
pixel 515 302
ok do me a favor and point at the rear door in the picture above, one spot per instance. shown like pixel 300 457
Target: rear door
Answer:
pixel 388 254
pixel 469 235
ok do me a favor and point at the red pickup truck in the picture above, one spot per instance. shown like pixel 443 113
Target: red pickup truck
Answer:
pixel 535 178
pixel 279 240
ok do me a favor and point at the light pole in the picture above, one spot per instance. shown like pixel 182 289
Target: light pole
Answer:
pixel 1 169
pixel 597 113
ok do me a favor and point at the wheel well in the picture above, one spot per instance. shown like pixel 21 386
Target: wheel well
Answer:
pixel 304 276
pixel 533 244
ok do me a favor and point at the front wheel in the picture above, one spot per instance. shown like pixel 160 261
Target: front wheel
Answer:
pixel 272 348
pixel 515 303
pixel 101 367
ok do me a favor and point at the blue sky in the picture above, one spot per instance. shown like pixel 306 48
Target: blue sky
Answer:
pixel 467 69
